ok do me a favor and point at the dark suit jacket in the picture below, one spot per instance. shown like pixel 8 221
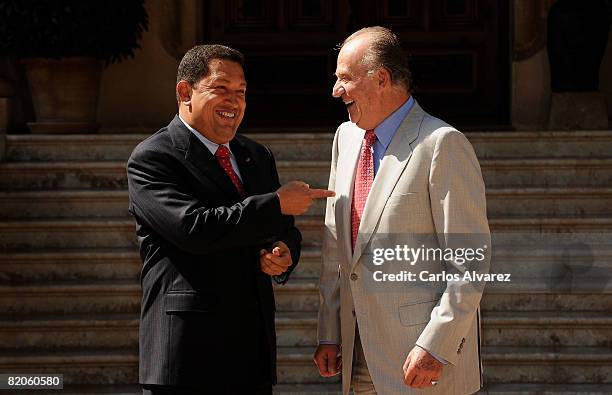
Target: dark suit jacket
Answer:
pixel 204 295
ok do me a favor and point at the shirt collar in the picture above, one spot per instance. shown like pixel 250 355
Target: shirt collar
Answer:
pixel 212 147
pixel 387 128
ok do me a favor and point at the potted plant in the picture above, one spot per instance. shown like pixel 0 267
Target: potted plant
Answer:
pixel 64 45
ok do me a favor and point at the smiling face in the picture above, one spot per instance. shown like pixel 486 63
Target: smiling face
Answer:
pixel 360 91
pixel 216 104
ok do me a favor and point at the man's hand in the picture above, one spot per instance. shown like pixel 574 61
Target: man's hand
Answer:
pixel 277 261
pixel 328 360
pixel 296 197
pixel 421 368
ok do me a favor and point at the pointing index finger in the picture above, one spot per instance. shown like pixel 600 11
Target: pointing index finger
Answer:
pixel 321 193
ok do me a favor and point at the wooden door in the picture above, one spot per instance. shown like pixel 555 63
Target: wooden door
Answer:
pixel 458 49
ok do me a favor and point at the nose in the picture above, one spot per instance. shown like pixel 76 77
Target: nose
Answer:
pixel 234 99
pixel 338 89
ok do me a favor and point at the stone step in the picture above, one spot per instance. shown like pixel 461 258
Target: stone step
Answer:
pixel 501 365
pixel 20 148
pixel 303 295
pixel 111 297
pixel 91 366
pixel 106 331
pixel 299 294
pixel 101 389
pixel 120 366
pixel 511 328
pixel 295 365
pixel 542 144
pixel 280 389
pixel 27 235
pixel 548 365
pixel 39 234
pixel 538 172
pixel 549 201
pixel 120 296
pixel 525 302
pixel 534 328
pixel 334 389
pixel 298 329
pixel 325 388
pixel 113 203
pixel 546 172
pixel 67 233
pixel 312 146
pixel 64 204
pixel 554 225
pixel 546 389
pixel 547 328
pixel 100 264
pixel 523 262
pixel 70 265
pixel 69 332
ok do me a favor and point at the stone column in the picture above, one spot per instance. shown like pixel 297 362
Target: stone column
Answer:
pixel 530 71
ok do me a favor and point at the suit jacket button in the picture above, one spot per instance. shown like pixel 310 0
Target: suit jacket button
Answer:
pixel 354 276
pixel 353 312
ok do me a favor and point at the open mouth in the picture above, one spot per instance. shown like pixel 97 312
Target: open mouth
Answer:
pixel 348 104
pixel 227 114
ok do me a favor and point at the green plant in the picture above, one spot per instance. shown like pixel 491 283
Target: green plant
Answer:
pixel 107 30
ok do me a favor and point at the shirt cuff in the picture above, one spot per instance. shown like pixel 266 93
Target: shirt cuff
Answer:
pixel 439 359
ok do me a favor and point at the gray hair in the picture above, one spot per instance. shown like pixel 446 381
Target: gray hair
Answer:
pixel 384 51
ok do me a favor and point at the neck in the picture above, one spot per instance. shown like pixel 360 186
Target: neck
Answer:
pixel 185 116
pixel 393 100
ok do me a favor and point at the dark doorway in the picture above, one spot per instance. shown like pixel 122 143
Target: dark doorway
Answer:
pixel 458 48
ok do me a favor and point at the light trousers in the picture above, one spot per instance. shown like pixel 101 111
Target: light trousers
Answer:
pixel 360 378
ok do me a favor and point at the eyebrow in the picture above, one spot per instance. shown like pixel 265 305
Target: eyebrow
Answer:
pixel 228 81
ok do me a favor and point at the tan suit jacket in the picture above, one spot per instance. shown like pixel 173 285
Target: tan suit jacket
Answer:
pixel 429 182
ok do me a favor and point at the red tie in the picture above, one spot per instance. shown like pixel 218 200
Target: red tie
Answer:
pixel 223 156
pixel 363 182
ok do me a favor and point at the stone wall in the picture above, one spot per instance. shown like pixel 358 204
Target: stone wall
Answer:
pixel 138 94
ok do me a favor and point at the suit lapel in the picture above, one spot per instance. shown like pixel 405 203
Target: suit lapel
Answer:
pixel 391 168
pixel 207 165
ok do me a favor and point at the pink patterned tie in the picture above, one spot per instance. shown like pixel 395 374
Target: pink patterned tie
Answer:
pixel 363 182
pixel 223 156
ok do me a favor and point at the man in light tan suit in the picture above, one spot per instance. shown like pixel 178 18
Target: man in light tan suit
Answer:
pixel 426 180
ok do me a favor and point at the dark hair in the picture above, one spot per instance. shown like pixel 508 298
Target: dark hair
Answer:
pixel 385 51
pixel 194 65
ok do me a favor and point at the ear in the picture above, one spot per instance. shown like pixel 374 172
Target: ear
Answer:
pixel 384 77
pixel 184 89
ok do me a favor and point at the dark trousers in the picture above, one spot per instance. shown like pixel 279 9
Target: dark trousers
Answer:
pixel 260 378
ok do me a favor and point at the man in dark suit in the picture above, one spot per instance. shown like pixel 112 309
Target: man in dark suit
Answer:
pixel 213 224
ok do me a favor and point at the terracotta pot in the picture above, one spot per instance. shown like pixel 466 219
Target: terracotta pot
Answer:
pixel 64 93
